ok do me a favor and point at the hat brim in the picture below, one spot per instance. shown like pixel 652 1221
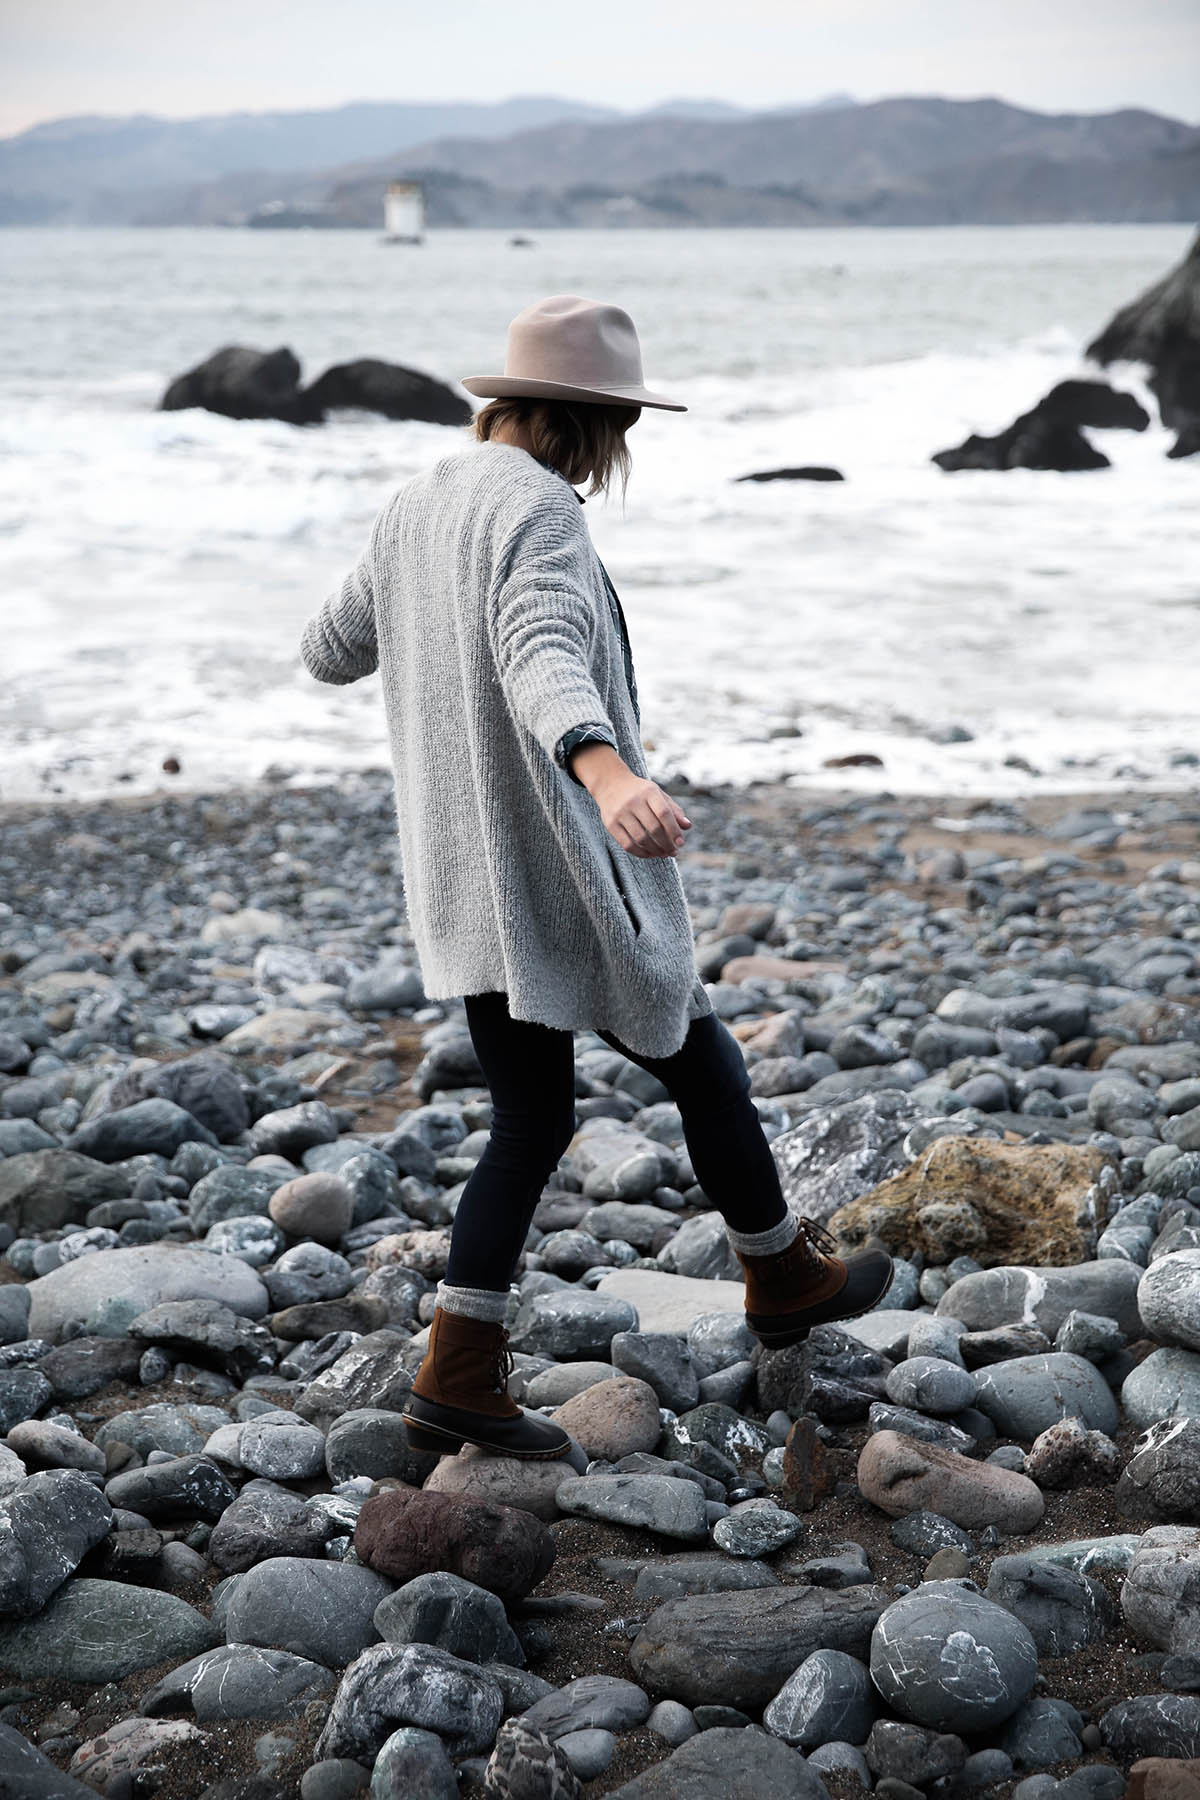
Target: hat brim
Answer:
pixel 505 387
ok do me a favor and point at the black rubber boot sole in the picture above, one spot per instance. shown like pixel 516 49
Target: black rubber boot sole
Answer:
pixel 444 1430
pixel 785 1334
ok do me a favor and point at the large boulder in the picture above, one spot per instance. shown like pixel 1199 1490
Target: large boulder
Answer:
pixel 41 1190
pixel 1043 1297
pixel 738 1648
pixel 98 1631
pixel 387 388
pixel 1031 1201
pixel 1161 327
pixel 244 384
pixel 840 1152
pixel 109 1290
pixel 403 1532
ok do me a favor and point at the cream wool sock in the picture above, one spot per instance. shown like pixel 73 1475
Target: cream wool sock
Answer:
pixel 765 1243
pixel 473 1303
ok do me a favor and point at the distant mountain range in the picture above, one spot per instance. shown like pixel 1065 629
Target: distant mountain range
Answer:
pixel 541 162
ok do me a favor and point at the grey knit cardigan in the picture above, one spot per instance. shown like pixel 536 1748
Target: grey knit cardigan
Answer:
pixel 480 598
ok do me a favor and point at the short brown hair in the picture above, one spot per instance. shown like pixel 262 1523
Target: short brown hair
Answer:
pixel 573 436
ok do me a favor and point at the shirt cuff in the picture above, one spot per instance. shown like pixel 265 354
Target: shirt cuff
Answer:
pixel 580 734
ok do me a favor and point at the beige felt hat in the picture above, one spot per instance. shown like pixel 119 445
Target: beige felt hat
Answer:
pixel 568 348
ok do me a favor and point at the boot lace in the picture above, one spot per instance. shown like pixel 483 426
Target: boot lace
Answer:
pixel 816 1241
pixel 503 1363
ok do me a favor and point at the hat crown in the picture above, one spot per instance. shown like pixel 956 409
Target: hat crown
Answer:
pixel 565 338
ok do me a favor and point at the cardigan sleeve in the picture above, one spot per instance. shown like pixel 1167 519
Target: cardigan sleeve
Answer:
pixel 339 642
pixel 542 623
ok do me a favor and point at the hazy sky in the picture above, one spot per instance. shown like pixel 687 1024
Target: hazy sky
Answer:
pixel 120 56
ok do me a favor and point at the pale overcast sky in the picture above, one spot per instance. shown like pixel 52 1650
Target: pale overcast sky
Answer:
pixel 61 57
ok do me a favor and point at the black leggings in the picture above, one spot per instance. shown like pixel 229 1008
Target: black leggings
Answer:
pixel 530 1073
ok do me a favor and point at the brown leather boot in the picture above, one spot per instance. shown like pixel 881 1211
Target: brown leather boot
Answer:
pixel 460 1395
pixel 809 1284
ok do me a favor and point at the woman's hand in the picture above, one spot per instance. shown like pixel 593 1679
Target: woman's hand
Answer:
pixel 636 812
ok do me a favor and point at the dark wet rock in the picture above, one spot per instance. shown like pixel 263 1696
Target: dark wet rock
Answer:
pixel 397 392
pixel 98 1631
pixel 266 1520
pixel 606 1702
pixel 756 1529
pixel 1161 1480
pixel 206 1330
pixel 805 472
pixel 23 1392
pixel 204 1085
pixel 828 1697
pixel 570 1325
pixel 1169 1299
pixel 31 1776
pixel 674 1509
pixel 240 1681
pixel 1048 436
pixel 42 1444
pixel 525 1765
pixel 1062 1609
pixel 1026 1396
pixel 373 1372
pixel 373 1441
pixel 899 1751
pixel 321 1610
pixel 882 1417
pixel 355 1311
pixel 680 1576
pixel 180 1430
pixel 727 1764
pixel 843 1150
pixel 947 1657
pixel 1160 1597
pixel 739 1648
pixel 47 1527
pixel 109 1290
pixel 1041 1732
pixel 42 1190
pixel 1153 1725
pixel 242 383
pixel 156 1125
pixel 924 1533
pixel 832 1376
pixel 661 1360
pixel 454 1614
pixel 389 1685
pixel 281 1447
pixel 404 1533
pixel 1001 1344
pixel 187 1486
pixel 293 1130
pixel 1044 1297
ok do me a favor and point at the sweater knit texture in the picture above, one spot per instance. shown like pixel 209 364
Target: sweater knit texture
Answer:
pixel 480 599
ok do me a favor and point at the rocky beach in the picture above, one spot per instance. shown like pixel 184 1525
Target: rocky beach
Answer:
pixel 952 1547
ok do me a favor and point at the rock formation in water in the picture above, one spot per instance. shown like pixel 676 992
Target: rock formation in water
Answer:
pixel 241 383
pixel 1049 435
pixel 1162 328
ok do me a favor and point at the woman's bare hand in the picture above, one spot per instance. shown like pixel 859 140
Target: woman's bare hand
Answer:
pixel 642 817
pixel 639 814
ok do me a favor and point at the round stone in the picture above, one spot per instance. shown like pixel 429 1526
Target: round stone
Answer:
pixel 948 1657
pixel 931 1384
pixel 756 1529
pixel 313 1206
pixel 1169 1299
pixel 828 1699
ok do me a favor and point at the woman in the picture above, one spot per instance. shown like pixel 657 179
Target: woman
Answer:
pixel 538 855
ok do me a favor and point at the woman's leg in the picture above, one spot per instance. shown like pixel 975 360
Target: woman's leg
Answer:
pixel 460 1392
pixel 708 1080
pixel 794 1277
pixel 530 1074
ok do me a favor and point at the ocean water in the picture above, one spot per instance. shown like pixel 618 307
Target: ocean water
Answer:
pixel 156 569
